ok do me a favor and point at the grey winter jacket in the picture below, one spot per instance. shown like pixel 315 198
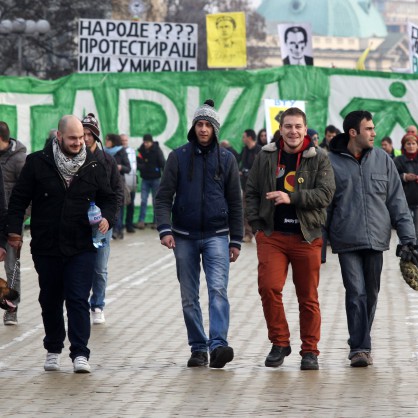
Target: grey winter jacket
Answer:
pixel 314 188
pixel 12 161
pixel 368 201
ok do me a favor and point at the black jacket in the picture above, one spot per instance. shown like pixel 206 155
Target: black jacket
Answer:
pixel 150 162
pixel 113 175
pixel 404 166
pixel 59 223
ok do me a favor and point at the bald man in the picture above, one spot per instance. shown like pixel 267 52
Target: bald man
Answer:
pixel 61 180
pixel 412 129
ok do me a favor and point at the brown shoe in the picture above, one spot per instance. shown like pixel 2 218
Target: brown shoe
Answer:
pixel 140 225
pixel 369 359
pixel 359 360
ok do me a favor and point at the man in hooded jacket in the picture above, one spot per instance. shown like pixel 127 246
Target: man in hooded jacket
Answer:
pixel 203 180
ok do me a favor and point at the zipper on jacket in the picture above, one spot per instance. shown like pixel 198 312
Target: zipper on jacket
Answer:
pixel 203 196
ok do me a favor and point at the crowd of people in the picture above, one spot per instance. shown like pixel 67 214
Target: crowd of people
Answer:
pixel 292 195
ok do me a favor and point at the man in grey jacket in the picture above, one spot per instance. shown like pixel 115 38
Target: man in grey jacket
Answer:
pixel 12 159
pixel 368 201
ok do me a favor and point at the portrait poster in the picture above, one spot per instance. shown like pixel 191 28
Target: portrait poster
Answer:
pixel 273 109
pixel 413 47
pixel 296 43
pixel 226 40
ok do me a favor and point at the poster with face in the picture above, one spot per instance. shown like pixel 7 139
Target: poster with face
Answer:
pixel 226 40
pixel 296 43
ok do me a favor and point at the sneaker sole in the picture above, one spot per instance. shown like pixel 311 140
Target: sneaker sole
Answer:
pixel 52 369
pixel 225 356
pixel 98 321
pixel 10 323
pixel 360 364
pixel 82 371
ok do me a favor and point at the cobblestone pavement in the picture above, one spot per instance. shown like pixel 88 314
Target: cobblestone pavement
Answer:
pixel 139 355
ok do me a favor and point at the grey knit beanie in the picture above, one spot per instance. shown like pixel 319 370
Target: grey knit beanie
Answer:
pixel 206 112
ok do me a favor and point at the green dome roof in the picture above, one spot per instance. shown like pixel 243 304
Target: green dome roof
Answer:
pixel 348 18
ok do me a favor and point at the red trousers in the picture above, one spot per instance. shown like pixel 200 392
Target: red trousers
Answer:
pixel 274 255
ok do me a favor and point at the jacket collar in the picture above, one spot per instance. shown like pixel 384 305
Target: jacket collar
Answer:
pixel 310 152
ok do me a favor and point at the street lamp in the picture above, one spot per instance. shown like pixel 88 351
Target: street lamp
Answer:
pixel 20 28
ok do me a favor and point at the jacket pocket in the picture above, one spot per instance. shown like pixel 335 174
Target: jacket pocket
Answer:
pixel 379 183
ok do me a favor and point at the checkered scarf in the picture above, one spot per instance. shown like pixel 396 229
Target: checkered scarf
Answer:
pixel 68 166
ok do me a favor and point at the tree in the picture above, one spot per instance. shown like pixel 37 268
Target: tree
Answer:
pixel 54 54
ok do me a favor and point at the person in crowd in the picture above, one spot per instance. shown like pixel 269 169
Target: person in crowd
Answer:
pixel 113 147
pixel 387 146
pixel 288 190
pixel 368 201
pixel 407 165
pixel 99 281
pixel 225 144
pixel 314 137
pixel 12 159
pixel 248 154
pixel 61 180
pixel 262 137
pixel 203 181
pixel 411 129
pixel 52 134
pixel 330 132
pixel 150 162
pixel 132 182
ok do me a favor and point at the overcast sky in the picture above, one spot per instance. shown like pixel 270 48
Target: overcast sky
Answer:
pixel 255 3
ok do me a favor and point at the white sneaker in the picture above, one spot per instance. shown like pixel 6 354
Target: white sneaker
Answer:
pixel 81 365
pixel 52 362
pixel 98 316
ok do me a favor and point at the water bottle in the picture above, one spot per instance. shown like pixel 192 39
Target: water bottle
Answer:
pixel 95 216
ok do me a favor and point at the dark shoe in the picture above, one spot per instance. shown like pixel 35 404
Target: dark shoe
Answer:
pixel 220 356
pixel 359 360
pixel 277 355
pixel 198 359
pixel 309 362
pixel 130 230
pixel 153 226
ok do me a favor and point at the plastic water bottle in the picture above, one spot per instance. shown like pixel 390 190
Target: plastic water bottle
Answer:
pixel 95 216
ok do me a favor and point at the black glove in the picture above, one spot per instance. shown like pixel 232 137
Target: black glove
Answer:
pixel 407 252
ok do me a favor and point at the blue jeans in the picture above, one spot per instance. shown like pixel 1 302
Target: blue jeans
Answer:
pixel 97 298
pixel 215 260
pixel 65 279
pixel 361 272
pixel 147 187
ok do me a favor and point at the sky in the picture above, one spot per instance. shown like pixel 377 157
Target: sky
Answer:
pixel 255 3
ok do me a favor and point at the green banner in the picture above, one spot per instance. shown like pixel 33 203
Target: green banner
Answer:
pixel 163 103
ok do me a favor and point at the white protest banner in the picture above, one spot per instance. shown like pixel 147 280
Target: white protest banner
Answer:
pixel 273 109
pixel 413 47
pixel 131 46
pixel 296 43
